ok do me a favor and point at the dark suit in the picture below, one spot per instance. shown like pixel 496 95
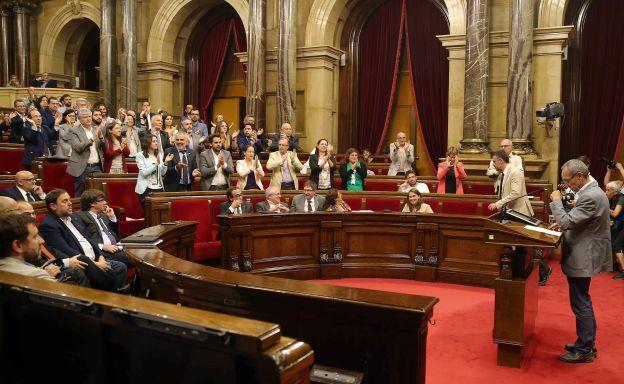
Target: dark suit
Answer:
pixel 174 175
pixel 41 84
pixel 93 233
pixel 15 194
pixel 586 252
pixel 35 143
pixel 244 141
pixel 47 121
pixel 245 207
pixel 17 124
pixel 58 236
pixel 293 143
pixel 164 137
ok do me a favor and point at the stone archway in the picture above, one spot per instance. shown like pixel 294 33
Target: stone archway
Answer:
pixel 551 13
pixel 66 30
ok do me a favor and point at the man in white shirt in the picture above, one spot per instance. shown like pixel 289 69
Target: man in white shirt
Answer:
pixel 25 188
pixel 66 235
pixel 515 161
pixel 20 248
pixel 309 201
pixel 215 165
pixel 411 182
pixel 87 142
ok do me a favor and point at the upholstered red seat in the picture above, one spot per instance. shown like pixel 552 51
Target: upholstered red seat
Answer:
pixel 199 210
pixel 132 168
pixel 55 175
pixel 337 183
pixel 6 184
pixel 354 202
pixel 11 160
pixel 432 185
pixel 480 188
pixel 215 209
pixel 433 204
pixel 382 185
pixel 120 193
pixel 383 204
pixel 537 191
pixel 460 207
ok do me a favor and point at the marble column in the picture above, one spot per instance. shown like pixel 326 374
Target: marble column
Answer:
pixel 4 44
pixel 476 78
pixel 520 77
pixel 255 61
pixel 129 56
pixel 108 54
pixel 21 11
pixel 287 63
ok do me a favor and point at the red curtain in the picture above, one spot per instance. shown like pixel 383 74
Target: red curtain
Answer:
pixel 602 82
pixel 213 55
pixel 429 66
pixel 379 53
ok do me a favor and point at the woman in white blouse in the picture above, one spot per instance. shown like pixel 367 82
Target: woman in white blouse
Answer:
pixel 151 168
pixel 249 170
pixel 322 165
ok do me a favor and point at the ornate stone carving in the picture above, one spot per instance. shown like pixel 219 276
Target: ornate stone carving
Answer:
pixel 505 263
pixel 75 6
pixel 420 255
pixel 324 257
pixel 474 146
pixel 247 264
pixel 523 147
pixel 433 257
pixel 234 262
pixel 337 253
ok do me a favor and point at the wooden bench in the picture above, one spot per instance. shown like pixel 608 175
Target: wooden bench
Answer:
pixel 11 156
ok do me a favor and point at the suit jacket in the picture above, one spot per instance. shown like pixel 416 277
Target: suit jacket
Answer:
pixel 586 233
pixel 315 170
pixel 275 165
pixel 460 174
pixel 63 149
pixel 92 228
pixel 395 166
pixel 81 149
pixel 14 193
pixel 243 141
pixel 200 128
pixel 17 124
pixel 196 135
pixel 207 167
pixel 263 207
pixel 35 143
pixel 134 135
pixel 48 121
pixel 173 175
pixel 243 170
pixel 245 207
pixel 40 84
pixel 58 236
pixel 299 203
pixel 146 168
pixel 514 187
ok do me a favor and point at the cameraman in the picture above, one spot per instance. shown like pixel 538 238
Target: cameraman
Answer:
pixel 586 252
pixel 616 211
pixel 567 205
pixel 610 168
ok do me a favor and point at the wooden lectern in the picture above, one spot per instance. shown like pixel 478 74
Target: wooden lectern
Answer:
pixel 516 288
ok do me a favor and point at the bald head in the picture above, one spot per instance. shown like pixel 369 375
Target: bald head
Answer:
pixel 7 205
pixel 24 208
pixel 23 175
pixel 25 180
pixel 506 145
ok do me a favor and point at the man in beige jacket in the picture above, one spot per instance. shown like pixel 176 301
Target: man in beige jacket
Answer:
pixel 284 165
pixel 513 189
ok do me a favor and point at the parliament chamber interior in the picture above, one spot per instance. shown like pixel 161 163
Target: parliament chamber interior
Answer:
pixel 372 191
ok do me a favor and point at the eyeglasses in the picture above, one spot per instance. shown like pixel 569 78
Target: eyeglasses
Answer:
pixel 569 178
pixel 237 195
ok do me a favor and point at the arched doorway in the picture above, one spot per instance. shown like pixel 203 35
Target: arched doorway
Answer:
pixel 592 82
pixel 87 70
pixel 392 46
pixel 215 79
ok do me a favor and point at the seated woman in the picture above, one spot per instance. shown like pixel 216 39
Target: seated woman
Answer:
pixel 334 202
pixel 352 171
pixel 415 203
pixel 151 168
pixel 322 165
pixel 451 173
pixel 249 170
pixel 116 149
pixel 616 213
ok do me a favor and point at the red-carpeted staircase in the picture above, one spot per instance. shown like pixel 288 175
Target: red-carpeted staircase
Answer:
pixel 460 347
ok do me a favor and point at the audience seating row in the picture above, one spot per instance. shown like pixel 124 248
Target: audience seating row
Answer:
pixel 204 207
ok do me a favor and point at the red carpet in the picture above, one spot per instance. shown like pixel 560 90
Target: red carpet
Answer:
pixel 460 347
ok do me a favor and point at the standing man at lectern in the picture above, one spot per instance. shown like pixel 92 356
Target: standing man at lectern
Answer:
pixel 512 189
pixel 586 252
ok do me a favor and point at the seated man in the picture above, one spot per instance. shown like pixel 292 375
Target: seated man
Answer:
pixel 272 204
pixel 101 225
pixel 24 188
pixel 284 165
pixel 235 204
pixel 411 182
pixel 309 201
pixel 8 206
pixel 286 132
pixel 20 248
pixel 62 233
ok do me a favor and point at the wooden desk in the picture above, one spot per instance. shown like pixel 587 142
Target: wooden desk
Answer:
pixel 101 337
pixel 381 334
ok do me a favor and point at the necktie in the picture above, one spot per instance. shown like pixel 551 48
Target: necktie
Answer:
pixel 500 186
pixel 238 210
pixel 108 234
pixel 185 172
pixel 29 197
pixel 309 205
